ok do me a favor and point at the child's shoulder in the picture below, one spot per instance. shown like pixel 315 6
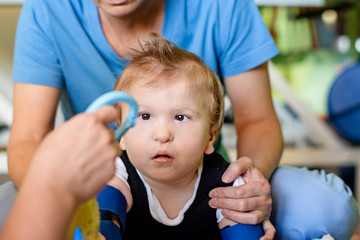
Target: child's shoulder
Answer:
pixel 214 166
pixel 215 160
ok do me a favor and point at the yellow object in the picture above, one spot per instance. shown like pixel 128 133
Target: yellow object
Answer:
pixel 87 218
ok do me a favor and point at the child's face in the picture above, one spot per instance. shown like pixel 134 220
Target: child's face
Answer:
pixel 171 133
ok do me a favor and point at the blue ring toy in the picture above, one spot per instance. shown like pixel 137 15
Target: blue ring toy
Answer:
pixel 110 98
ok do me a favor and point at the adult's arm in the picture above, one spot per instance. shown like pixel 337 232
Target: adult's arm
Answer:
pixel 64 173
pixel 259 148
pixel 257 126
pixel 34 109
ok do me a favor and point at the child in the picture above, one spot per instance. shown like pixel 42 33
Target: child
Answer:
pixel 168 161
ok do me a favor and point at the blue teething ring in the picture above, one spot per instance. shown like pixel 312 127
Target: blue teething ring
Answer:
pixel 110 98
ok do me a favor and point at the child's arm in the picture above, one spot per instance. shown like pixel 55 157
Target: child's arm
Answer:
pixel 119 184
pixel 115 200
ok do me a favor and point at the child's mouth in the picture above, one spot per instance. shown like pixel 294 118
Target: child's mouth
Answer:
pixel 162 158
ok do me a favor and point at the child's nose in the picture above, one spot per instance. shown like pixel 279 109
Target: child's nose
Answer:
pixel 163 133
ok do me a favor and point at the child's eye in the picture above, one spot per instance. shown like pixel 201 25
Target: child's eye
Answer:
pixel 181 117
pixel 144 116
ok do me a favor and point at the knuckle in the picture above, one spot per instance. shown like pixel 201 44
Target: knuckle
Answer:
pixel 89 120
pixel 265 186
pixel 246 160
pixel 241 205
pixel 269 202
pixel 238 193
pixel 252 221
pixel 255 219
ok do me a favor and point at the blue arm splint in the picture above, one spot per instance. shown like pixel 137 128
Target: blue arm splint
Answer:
pixel 242 231
pixel 112 204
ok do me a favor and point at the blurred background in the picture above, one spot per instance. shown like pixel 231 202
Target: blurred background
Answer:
pixel 9 12
pixel 315 81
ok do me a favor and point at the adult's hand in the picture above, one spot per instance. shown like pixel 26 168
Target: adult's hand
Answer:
pixel 70 166
pixel 249 203
pixel 78 157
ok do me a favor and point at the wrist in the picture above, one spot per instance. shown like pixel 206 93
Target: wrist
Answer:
pixel 265 167
pixel 52 191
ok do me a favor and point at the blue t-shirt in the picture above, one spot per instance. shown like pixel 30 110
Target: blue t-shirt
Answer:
pixel 61 43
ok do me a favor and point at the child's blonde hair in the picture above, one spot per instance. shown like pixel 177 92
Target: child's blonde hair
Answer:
pixel 161 61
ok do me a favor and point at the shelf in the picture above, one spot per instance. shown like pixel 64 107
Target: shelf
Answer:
pixel 294 3
pixel 11 2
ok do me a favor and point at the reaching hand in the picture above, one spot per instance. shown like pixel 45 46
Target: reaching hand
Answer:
pixel 249 203
pixel 78 157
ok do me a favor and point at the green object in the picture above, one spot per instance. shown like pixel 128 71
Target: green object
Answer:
pixel 219 148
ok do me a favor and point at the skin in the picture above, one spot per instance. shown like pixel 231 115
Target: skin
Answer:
pixel 77 150
pixel 258 131
pixel 30 125
pixel 127 23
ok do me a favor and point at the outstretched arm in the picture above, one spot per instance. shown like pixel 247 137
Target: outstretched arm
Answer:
pixel 64 173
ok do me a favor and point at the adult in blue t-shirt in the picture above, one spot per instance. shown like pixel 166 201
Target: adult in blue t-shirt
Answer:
pixel 74 50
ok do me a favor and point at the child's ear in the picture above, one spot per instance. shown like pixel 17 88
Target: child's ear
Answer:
pixel 122 144
pixel 210 145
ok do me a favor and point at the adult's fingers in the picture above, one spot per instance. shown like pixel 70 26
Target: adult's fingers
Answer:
pixel 106 114
pixel 251 189
pixel 242 205
pixel 252 218
pixel 115 143
pixel 269 230
pixel 249 203
pixel 236 169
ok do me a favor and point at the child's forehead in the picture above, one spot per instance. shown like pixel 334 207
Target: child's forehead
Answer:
pixel 166 94
pixel 163 82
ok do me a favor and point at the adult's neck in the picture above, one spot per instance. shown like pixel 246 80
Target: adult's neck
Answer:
pixel 147 17
pixel 124 32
